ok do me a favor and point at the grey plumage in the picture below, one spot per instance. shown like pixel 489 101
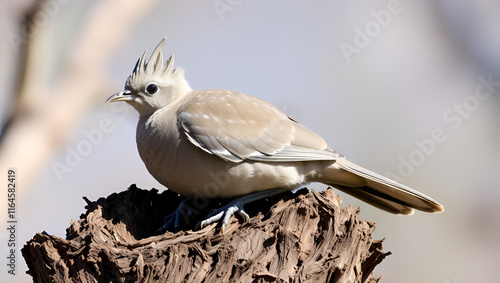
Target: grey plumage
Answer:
pixel 189 140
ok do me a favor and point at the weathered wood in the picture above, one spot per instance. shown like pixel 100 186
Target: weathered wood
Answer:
pixel 301 237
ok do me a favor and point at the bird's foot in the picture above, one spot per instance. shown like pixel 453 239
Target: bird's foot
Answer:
pixel 173 221
pixel 183 215
pixel 225 213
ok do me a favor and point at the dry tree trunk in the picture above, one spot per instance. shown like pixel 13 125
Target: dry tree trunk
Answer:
pixel 301 237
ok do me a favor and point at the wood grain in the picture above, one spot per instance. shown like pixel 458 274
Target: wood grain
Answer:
pixel 301 237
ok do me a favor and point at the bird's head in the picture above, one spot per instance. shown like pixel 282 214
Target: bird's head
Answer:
pixel 153 85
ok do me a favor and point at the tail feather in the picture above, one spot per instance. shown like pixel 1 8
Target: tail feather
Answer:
pixel 385 193
pixel 383 202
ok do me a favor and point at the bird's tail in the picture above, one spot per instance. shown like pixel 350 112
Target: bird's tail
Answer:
pixel 377 190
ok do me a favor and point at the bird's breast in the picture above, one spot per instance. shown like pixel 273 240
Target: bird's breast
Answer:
pixel 190 171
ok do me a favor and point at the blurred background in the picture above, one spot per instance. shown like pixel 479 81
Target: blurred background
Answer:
pixel 409 89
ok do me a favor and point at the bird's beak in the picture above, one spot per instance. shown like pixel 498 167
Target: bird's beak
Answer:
pixel 124 95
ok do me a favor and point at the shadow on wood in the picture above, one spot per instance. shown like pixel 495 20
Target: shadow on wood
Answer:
pixel 301 237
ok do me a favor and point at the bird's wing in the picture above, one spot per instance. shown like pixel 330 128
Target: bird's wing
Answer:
pixel 236 126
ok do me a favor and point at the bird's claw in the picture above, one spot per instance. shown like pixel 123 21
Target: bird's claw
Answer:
pixel 224 214
pixel 174 219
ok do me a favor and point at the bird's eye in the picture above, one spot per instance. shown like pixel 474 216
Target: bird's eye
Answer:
pixel 151 88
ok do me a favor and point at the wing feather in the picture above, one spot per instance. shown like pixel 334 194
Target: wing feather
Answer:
pixel 235 127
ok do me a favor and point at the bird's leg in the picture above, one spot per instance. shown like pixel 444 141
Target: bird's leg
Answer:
pixel 173 220
pixel 225 213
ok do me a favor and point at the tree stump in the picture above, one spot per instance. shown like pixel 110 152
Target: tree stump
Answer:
pixel 293 237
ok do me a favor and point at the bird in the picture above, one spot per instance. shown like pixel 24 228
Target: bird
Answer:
pixel 217 143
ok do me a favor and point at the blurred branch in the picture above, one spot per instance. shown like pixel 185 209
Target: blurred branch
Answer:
pixel 32 136
pixel 19 101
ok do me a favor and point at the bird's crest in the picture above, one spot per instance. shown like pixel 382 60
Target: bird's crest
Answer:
pixel 155 64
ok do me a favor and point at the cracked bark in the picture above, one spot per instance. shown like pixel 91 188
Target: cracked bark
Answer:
pixel 301 237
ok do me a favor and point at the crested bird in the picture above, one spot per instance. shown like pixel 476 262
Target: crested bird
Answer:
pixel 225 144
